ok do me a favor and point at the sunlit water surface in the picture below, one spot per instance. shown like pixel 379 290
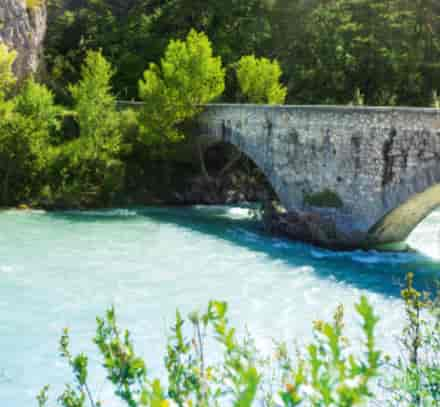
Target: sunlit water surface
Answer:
pixel 62 269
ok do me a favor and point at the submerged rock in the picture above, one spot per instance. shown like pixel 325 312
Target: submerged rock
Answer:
pixel 23 28
pixel 305 226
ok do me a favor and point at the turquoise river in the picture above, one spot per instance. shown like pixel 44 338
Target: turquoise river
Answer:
pixel 62 269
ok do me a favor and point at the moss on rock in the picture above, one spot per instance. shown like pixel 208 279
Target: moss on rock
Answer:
pixel 324 199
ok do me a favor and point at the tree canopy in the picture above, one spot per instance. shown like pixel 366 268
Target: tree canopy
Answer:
pixel 327 49
pixel 259 80
pixel 188 77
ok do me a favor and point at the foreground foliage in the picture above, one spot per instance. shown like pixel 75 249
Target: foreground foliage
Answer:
pixel 324 373
pixel 417 378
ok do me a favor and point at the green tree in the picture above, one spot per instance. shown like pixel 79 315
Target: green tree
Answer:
pixel 134 31
pixel 22 143
pixel 37 102
pixel 290 44
pixel 421 32
pixel 74 29
pixel 259 80
pixel 389 50
pixel 90 169
pixel 95 105
pixel 188 77
pixel 234 27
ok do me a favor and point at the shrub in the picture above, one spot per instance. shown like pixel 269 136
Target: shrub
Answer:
pixel 80 178
pixel 327 376
pixel 259 80
pixel 416 381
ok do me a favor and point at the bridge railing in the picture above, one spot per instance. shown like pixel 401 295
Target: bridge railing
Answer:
pixel 331 108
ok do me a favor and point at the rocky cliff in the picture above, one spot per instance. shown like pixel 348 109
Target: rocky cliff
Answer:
pixel 23 29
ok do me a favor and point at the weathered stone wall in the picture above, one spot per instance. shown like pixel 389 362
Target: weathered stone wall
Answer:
pixel 375 161
pixel 23 30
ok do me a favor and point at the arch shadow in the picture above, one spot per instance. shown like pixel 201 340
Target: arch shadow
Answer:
pixel 260 154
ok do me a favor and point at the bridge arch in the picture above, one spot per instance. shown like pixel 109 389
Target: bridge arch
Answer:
pixel 411 202
pixel 258 156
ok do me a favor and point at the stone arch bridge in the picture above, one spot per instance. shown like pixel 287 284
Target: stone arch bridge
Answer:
pixel 366 176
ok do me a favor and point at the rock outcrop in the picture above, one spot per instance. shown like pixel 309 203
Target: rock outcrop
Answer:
pixel 23 29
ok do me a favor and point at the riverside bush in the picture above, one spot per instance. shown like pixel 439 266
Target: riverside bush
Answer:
pixel 417 372
pixel 23 158
pixel 327 374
